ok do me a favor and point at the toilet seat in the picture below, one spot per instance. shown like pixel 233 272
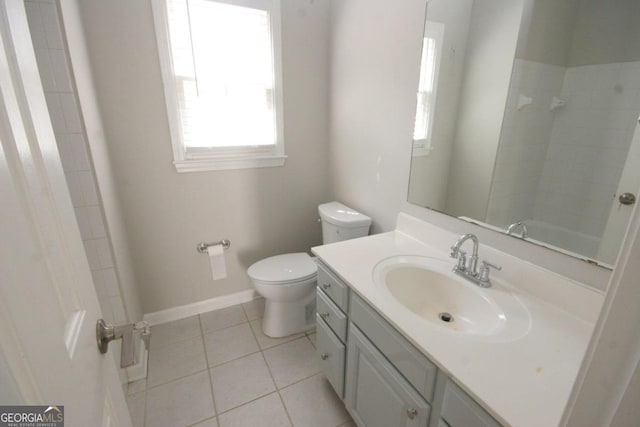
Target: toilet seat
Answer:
pixel 283 269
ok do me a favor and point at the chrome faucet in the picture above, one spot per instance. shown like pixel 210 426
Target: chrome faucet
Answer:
pixel 523 229
pixel 469 270
pixel 473 261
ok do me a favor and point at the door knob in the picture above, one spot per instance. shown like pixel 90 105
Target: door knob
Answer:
pixel 627 198
pixel 106 332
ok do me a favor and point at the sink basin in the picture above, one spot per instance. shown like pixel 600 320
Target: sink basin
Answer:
pixel 429 289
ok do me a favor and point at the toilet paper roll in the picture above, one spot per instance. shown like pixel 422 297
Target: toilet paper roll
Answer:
pixel 216 259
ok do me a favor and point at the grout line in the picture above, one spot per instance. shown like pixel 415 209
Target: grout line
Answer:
pixel 209 373
pixel 209 368
pixel 275 384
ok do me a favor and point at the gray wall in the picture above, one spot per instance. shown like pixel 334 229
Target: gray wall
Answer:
pixel 603 31
pixel 493 36
pixel 429 174
pixel 262 211
pixel 375 60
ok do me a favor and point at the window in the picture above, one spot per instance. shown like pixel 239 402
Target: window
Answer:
pixel 427 88
pixel 222 79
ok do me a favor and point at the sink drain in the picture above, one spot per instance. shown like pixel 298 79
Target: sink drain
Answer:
pixel 446 317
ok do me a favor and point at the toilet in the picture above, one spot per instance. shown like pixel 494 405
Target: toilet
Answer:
pixel 288 282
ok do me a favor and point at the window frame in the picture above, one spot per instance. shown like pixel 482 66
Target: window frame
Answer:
pixel 212 158
pixel 435 31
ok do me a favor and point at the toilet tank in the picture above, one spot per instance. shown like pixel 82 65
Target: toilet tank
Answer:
pixel 340 222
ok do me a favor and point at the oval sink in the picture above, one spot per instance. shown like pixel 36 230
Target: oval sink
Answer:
pixel 430 290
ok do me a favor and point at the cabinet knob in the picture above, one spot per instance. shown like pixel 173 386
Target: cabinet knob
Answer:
pixel 326 285
pixel 324 315
pixel 411 413
pixel 324 356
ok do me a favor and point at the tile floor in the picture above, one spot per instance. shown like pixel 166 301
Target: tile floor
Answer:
pixel 219 370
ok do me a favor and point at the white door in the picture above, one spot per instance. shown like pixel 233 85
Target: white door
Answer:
pixel 620 214
pixel 48 306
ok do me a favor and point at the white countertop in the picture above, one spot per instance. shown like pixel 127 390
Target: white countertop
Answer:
pixel 522 383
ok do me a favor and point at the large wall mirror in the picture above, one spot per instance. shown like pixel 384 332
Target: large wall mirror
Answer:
pixel 527 119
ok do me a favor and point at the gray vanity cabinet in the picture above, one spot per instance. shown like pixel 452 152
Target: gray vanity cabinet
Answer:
pixel 377 395
pixel 331 326
pixel 382 378
pixel 460 410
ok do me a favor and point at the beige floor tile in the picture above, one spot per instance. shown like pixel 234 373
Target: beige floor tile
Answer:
pixel 266 411
pixel 211 422
pixel 168 333
pixel 267 342
pixel 180 403
pixel 292 361
pixel 254 309
pixel 177 360
pixel 313 403
pixel 229 344
pixel 240 381
pixel 220 319
pixel 312 338
pixel 136 402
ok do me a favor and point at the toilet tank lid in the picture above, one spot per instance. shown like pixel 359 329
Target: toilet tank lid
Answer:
pixel 338 214
pixel 283 268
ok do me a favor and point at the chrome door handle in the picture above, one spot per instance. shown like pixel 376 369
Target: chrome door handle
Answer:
pixel 324 356
pixel 627 199
pixel 106 332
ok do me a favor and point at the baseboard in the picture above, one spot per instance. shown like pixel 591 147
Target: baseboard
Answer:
pixel 184 311
pixel 139 370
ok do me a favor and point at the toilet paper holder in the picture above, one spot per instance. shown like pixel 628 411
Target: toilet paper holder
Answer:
pixel 202 246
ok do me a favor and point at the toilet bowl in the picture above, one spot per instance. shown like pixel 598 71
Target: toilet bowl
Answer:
pixel 288 282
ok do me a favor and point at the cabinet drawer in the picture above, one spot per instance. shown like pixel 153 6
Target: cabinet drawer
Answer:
pixel 331 355
pixel 332 315
pixel 377 395
pixel 460 410
pixel 412 364
pixel 333 287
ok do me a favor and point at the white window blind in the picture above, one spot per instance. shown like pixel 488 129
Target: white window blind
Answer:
pixel 222 77
pixel 427 87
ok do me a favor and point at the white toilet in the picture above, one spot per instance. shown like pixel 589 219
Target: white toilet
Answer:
pixel 288 282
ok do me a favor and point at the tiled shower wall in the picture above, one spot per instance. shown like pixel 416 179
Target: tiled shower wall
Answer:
pixel 562 167
pixel 589 144
pixel 524 140
pixel 59 89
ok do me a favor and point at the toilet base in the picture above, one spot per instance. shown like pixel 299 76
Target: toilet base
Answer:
pixel 283 318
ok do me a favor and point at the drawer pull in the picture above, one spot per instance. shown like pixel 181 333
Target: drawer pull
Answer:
pixel 411 413
pixel 326 285
pixel 324 356
pixel 324 315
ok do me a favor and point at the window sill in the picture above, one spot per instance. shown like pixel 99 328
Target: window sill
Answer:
pixel 211 164
pixel 421 152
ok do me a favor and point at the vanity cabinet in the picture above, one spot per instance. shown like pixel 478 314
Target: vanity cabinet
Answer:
pixel 460 410
pixel 331 326
pixel 382 378
pixel 377 395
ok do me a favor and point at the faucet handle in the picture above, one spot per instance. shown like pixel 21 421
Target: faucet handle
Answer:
pixel 484 271
pixel 454 251
pixel 462 261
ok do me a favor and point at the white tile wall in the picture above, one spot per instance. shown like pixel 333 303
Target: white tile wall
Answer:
pixel 563 167
pixel 588 146
pixel 523 142
pixel 56 79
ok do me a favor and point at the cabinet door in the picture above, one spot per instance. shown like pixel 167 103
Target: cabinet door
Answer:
pixel 376 394
pixel 460 410
pixel 330 353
